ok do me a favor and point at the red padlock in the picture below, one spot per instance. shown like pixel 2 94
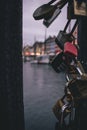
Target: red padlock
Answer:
pixel 70 49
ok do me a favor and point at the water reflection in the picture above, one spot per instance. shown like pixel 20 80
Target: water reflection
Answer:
pixel 42 88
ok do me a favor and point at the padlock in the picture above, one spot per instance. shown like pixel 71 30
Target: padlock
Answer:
pixel 57 10
pixel 80 7
pixel 70 49
pixel 64 37
pixel 58 62
pixel 78 88
pixel 61 109
pixel 76 9
pixel 48 11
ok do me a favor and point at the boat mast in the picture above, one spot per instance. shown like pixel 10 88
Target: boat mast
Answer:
pixel 45 40
pixel 35 47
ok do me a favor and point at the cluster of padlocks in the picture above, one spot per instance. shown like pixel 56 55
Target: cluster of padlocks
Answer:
pixel 49 12
pixel 67 60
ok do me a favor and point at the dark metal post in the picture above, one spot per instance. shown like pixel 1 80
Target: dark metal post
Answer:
pixel 11 86
pixel 82 41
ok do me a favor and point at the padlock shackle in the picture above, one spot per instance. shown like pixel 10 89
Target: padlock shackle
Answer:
pixel 66 26
pixel 52 1
pixel 74 27
pixel 63 3
pixel 60 3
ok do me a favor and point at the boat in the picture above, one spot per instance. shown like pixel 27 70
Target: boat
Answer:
pixel 35 61
pixel 41 59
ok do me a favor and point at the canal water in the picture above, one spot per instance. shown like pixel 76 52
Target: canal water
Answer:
pixel 42 87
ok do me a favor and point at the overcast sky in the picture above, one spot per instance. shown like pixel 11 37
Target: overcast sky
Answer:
pixel 35 30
